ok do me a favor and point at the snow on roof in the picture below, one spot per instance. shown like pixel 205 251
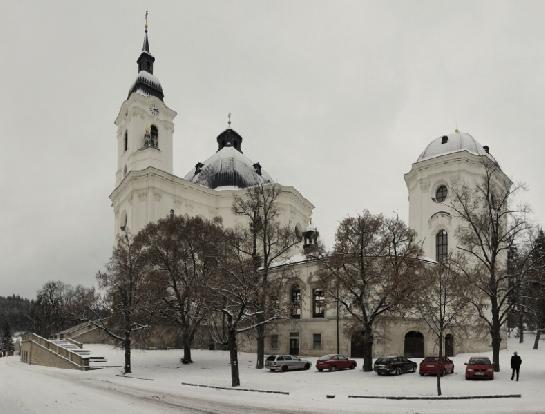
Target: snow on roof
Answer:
pixel 452 143
pixel 228 168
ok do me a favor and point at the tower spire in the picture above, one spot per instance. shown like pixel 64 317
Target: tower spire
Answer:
pixel 146 83
pixel 145 46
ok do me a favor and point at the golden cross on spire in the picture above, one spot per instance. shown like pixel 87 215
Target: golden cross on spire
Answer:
pixel 146 25
pixel 229 119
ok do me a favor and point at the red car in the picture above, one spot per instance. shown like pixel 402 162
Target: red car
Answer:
pixel 479 367
pixel 334 362
pixel 434 366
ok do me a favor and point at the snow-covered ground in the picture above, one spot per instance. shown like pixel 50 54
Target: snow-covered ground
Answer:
pixel 155 386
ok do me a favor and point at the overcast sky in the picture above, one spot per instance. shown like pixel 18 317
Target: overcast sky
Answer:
pixel 336 98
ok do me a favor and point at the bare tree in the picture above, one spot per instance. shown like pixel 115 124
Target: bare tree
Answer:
pixel 183 253
pixel 48 311
pixel 236 294
pixel 128 295
pixel 490 224
pixel 269 241
pixel 442 303
pixel 370 272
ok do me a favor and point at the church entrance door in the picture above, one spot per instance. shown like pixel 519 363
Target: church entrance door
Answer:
pixel 449 345
pixel 414 344
pixel 357 345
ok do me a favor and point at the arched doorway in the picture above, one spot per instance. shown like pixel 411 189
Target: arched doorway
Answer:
pixel 357 345
pixel 449 345
pixel 414 344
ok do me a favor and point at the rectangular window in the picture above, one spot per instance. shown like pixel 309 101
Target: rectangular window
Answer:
pixel 295 302
pixel 318 301
pixel 317 341
pixel 274 341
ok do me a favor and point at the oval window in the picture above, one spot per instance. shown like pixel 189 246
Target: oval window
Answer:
pixel 441 193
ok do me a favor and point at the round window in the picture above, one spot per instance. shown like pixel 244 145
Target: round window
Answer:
pixel 441 193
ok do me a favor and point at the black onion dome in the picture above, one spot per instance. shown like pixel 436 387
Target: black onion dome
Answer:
pixel 228 167
pixel 147 84
pixel 229 138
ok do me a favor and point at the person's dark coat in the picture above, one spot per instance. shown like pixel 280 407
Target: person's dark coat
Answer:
pixel 515 362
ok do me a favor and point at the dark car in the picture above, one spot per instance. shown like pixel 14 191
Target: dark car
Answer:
pixel 333 362
pixel 479 367
pixel 395 365
pixel 436 365
pixel 285 363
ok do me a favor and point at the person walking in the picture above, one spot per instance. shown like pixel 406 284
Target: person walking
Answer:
pixel 515 365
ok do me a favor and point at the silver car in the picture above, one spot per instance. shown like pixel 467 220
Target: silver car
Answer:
pixel 286 362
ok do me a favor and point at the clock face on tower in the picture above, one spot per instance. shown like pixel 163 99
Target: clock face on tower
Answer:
pixel 154 110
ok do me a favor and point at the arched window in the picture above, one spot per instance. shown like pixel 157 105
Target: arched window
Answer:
pixel 295 302
pixel 126 140
pixel 441 245
pixel 441 193
pixel 318 303
pixel 154 136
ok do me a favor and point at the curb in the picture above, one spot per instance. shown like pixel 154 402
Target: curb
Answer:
pixel 235 389
pixel 463 397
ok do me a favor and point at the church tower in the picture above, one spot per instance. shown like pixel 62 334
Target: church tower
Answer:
pixel 144 123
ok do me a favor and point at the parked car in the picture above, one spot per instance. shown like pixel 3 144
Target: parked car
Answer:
pixel 434 366
pixel 286 362
pixel 395 365
pixel 479 367
pixel 333 362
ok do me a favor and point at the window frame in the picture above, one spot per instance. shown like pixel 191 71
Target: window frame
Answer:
pixel 318 304
pixel 441 245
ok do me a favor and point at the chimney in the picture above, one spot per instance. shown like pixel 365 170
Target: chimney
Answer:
pixel 486 149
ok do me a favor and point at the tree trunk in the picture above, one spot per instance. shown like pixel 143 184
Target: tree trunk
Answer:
pixel 127 346
pixel 496 340
pixel 495 333
pixel 521 326
pixel 368 349
pixel 260 354
pixel 536 342
pixel 439 371
pixel 187 353
pixel 233 356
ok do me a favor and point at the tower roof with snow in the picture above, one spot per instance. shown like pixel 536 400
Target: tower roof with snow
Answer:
pixel 451 143
pixel 146 83
pixel 228 167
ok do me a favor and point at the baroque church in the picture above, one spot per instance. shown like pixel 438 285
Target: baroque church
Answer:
pixel 147 190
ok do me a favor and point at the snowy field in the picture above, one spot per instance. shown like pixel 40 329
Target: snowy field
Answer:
pixel 155 387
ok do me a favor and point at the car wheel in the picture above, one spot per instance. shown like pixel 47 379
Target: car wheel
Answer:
pixel 307 365
pixel 352 366
pixel 333 368
pixel 421 374
pixel 413 369
pixel 320 369
pixel 443 372
pixel 398 371
pixel 284 368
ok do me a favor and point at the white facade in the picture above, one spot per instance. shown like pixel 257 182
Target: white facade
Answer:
pixel 147 190
pixel 455 162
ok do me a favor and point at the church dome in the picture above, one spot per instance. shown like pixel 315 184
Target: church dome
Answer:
pixel 451 143
pixel 147 84
pixel 228 167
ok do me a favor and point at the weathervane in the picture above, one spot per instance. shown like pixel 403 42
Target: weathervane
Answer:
pixel 146 25
pixel 229 119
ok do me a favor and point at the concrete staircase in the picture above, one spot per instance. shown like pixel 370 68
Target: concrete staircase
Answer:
pixel 60 353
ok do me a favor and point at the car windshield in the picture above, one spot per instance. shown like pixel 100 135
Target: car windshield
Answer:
pixel 271 358
pixel 479 361
pixel 326 357
pixel 383 360
pixel 431 359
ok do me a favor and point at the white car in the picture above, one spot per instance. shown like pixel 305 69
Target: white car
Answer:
pixel 285 363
